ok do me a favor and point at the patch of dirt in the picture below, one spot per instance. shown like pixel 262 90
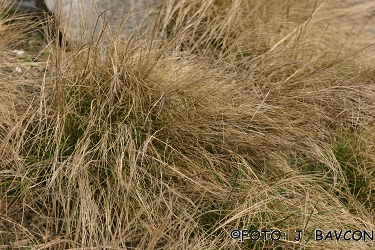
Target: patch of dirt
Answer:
pixel 21 226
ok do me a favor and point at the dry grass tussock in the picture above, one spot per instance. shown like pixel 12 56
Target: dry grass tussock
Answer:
pixel 231 116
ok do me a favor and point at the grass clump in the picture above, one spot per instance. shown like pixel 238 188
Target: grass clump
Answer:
pixel 226 119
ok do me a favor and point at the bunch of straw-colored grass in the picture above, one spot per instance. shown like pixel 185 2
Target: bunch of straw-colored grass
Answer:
pixel 222 120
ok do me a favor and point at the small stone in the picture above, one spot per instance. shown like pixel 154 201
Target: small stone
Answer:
pixel 18 69
pixel 18 52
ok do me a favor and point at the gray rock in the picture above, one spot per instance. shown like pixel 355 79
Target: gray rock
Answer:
pixel 24 6
pixel 80 19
